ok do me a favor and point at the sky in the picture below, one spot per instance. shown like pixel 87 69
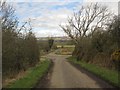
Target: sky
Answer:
pixel 47 15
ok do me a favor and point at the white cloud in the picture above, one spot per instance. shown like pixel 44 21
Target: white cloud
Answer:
pixel 112 4
pixel 46 20
pixel 45 1
pixel 50 22
pixel 49 33
pixel 101 0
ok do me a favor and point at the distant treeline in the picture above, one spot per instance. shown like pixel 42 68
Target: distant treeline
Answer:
pixel 20 49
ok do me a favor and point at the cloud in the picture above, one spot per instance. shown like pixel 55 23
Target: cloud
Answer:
pixel 49 33
pixel 47 15
pixel 112 4
pixel 65 1
pixel 49 22
pixel 101 0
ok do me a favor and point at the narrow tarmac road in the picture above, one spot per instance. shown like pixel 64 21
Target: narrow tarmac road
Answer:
pixel 64 75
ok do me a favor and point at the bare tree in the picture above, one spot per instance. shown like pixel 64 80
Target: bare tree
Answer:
pixel 8 19
pixel 86 21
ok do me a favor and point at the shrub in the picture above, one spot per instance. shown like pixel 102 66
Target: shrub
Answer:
pixel 116 56
pixel 116 59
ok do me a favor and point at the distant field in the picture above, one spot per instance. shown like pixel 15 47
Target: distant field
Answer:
pixel 65 46
pixel 65 49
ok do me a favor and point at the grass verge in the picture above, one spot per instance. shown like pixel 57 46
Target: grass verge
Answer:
pixel 32 76
pixel 110 76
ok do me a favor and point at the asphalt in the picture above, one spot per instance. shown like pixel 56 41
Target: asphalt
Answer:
pixel 65 75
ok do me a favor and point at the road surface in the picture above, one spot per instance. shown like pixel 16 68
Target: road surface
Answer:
pixel 65 75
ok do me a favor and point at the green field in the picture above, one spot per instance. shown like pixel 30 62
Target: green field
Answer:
pixel 67 46
pixel 65 49
pixel 32 76
pixel 110 76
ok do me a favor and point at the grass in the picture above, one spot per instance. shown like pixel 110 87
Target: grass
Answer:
pixel 32 76
pixel 111 76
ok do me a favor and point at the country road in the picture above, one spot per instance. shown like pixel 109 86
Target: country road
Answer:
pixel 64 75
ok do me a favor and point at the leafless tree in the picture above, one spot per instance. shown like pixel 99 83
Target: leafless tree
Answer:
pixel 8 19
pixel 86 21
